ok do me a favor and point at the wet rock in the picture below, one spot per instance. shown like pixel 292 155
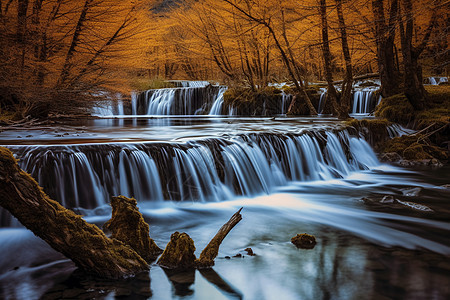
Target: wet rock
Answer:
pixel 227 257
pixel 415 206
pixel 389 199
pixel 433 162
pixel 128 226
pixel 238 255
pixel 379 200
pixel 304 241
pixel 249 251
pixel 411 192
pixel 390 157
pixel 179 253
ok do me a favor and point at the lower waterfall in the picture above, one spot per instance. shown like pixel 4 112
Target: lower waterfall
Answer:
pixel 212 169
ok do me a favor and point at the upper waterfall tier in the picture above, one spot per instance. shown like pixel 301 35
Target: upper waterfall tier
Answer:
pixel 188 98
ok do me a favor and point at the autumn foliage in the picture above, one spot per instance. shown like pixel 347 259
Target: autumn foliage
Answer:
pixel 54 54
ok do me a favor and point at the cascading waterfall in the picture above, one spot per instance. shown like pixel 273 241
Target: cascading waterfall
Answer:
pixel 213 169
pixel 286 100
pixel 217 106
pixel 437 80
pixel 322 99
pixel 179 101
pixel 363 102
pixel 188 98
pixel 113 106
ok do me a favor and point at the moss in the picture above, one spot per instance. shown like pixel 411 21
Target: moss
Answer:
pixel 369 84
pixel 304 241
pixel 375 130
pixel 61 228
pixel 179 253
pixel 248 102
pixel 128 225
pixel 415 148
pixel 395 109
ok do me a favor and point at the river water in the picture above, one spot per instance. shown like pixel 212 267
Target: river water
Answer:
pixel 190 174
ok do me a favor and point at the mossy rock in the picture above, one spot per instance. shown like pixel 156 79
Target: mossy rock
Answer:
pixel 179 253
pixel 304 241
pixel 396 109
pixel 415 148
pixel 247 102
pixel 374 130
pixel 128 226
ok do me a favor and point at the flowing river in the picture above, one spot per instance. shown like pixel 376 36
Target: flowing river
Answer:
pixel 191 173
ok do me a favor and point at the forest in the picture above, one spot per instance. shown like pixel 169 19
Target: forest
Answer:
pixel 53 51
pixel 224 149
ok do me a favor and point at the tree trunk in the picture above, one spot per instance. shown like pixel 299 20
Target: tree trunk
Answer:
pixel 85 244
pixel 347 84
pixel 210 252
pixel 385 39
pixel 331 91
pixel 414 90
pixel 75 39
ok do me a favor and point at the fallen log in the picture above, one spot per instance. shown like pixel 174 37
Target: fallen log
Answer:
pixel 128 226
pixel 360 77
pixel 85 244
pixel 211 251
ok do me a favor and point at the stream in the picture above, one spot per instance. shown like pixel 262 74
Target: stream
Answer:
pixel 191 173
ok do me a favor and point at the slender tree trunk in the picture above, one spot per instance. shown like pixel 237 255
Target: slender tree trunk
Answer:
pixel 331 91
pixel 347 84
pixel 75 39
pixel 297 81
pixel 385 39
pixel 22 8
pixel 414 89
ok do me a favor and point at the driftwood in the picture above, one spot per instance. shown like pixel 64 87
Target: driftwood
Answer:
pixel 85 244
pixel 210 252
pixel 128 226
pixel 179 253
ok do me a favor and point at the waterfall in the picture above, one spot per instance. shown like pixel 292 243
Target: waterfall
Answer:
pixel 323 97
pixel 437 80
pixel 363 102
pixel 179 101
pixel 216 108
pixel 188 98
pixel 194 83
pixel 212 169
pixel 111 107
pixel 286 100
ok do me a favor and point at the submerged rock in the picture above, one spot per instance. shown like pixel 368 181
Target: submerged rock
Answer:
pixel 387 199
pixel 304 241
pixel 390 157
pixel 415 206
pixel 412 192
pixel 250 251
pixel 394 203
pixel 179 253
